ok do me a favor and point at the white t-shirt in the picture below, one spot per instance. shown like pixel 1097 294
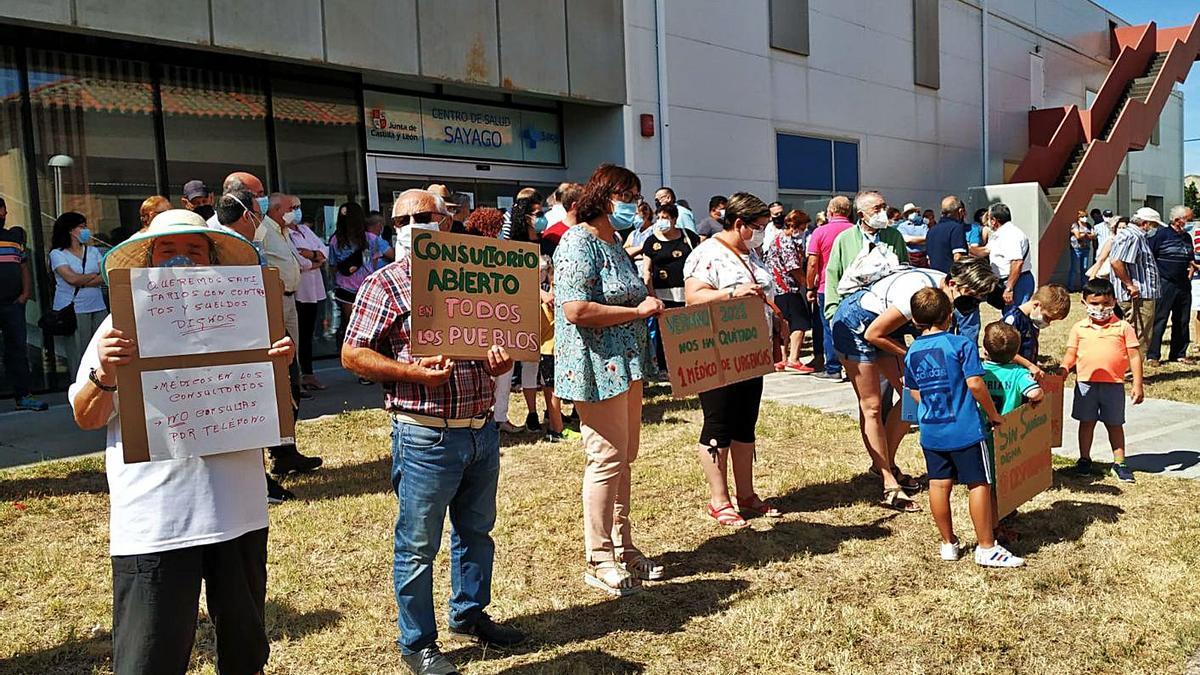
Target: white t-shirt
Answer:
pixel 1005 245
pixel 717 266
pixel 90 298
pixel 171 504
pixel 897 290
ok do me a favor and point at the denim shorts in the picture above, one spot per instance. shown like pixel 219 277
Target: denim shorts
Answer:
pixel 1099 402
pixel 966 466
pixel 849 330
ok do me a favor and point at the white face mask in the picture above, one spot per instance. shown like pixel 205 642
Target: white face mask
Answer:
pixel 404 234
pixel 879 220
pixel 720 213
pixel 756 239
pixel 289 217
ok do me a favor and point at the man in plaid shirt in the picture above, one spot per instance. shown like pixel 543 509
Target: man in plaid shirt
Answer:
pixel 445 454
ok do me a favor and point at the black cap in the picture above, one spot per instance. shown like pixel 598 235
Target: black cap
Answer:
pixel 194 188
pixel 1107 213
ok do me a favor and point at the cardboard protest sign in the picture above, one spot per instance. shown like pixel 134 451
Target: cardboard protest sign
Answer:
pixel 1052 386
pixel 1022 457
pixel 469 293
pixel 225 394
pixel 709 346
pixel 185 310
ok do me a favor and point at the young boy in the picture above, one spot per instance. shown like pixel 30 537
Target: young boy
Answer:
pixel 1009 385
pixel 1101 349
pixel 1049 303
pixel 946 381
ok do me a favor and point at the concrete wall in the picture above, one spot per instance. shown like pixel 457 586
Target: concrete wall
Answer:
pixel 564 48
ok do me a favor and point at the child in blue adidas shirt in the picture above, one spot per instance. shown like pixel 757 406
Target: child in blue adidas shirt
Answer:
pixel 945 377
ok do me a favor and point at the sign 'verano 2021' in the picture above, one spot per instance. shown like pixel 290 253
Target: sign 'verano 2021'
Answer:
pixel 470 293
pixel 708 346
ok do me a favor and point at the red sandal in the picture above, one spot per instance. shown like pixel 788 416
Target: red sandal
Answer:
pixel 727 516
pixel 759 507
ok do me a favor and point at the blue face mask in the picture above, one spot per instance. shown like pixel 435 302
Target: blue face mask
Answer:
pixel 179 261
pixel 915 217
pixel 540 223
pixel 663 224
pixel 263 204
pixel 623 215
pixel 297 215
pixel 85 235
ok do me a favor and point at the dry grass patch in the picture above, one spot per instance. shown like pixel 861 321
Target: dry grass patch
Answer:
pixel 838 585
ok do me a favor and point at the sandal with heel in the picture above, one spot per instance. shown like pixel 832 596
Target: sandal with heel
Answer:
pixel 727 516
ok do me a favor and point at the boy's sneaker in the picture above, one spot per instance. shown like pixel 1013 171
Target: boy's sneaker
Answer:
pixel 31 403
pixel 996 556
pixel 1083 465
pixel 1123 473
pixel 950 552
pixel 531 422
pixel 552 437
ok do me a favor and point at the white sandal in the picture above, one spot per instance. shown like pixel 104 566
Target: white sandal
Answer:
pixel 611 578
pixel 644 568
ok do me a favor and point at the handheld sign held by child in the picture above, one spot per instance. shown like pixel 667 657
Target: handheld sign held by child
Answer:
pixel 711 345
pixel 201 383
pixel 469 293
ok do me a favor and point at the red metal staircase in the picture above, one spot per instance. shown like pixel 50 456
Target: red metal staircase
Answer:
pixel 1075 154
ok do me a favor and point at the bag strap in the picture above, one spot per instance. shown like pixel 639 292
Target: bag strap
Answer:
pixel 733 251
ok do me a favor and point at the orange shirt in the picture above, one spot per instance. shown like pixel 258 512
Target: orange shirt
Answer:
pixel 1102 350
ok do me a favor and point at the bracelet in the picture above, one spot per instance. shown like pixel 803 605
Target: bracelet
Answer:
pixel 100 385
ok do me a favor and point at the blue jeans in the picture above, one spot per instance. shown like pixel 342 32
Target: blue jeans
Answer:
pixel 1079 266
pixel 16 354
pixel 832 365
pixel 434 470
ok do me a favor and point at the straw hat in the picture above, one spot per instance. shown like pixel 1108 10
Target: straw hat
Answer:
pixel 909 208
pixel 231 248
pixel 1148 215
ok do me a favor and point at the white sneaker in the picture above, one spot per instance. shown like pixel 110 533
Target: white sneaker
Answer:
pixel 996 556
pixel 950 552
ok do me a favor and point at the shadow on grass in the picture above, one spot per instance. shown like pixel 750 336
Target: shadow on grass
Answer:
pixel 1161 376
pixel 662 608
pixel 1175 460
pixel 77 482
pixel 754 548
pixel 1063 521
pixel 578 663
pixel 1092 482
pixel 864 487
pixel 351 480
pixel 94 654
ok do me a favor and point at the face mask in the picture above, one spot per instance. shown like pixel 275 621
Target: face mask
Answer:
pixel 1100 314
pixel 179 261
pixel 297 215
pixel 778 220
pixel 965 304
pixel 289 217
pixel 663 225
pixel 85 235
pixel 623 214
pixel 879 220
pixel 263 204
pixel 540 223
pixel 720 213
pixel 928 221
pixel 405 234
pixel 756 239
pixel 1039 321
pixel 204 211
pixel 915 218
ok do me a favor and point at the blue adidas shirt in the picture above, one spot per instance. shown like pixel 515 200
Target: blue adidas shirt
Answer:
pixel 1014 317
pixel 938 366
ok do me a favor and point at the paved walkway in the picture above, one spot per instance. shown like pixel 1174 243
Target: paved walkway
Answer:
pixel 1161 436
pixel 29 437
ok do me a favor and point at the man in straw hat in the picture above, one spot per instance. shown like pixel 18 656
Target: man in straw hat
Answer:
pixel 445 455
pixel 914 228
pixel 176 522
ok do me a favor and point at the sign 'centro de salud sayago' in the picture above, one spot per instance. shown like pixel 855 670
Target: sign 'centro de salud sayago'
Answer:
pixel 469 293
pixel 425 126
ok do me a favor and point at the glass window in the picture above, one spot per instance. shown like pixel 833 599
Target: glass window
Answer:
pixel 215 123
pixel 804 163
pixel 845 166
pixel 93 119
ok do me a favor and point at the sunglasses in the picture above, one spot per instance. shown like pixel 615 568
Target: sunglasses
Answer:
pixel 422 218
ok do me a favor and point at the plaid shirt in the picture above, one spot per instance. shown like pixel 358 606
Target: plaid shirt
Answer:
pixel 381 322
pixel 1130 247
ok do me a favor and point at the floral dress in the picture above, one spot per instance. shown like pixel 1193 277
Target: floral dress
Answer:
pixel 594 364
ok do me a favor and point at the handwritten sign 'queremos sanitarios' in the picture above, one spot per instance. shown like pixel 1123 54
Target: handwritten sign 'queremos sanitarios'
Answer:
pixel 189 310
pixel 201 382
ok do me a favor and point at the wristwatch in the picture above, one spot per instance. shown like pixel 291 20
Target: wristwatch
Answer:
pixel 100 385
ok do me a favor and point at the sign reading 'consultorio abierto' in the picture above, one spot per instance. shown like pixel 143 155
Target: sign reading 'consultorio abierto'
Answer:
pixel 426 126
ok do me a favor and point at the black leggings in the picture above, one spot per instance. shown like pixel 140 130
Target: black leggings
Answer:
pixel 307 312
pixel 730 413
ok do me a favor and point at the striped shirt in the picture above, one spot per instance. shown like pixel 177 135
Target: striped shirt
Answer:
pixel 12 257
pixel 381 322
pixel 1130 247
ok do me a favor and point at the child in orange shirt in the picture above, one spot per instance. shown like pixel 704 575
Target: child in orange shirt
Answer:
pixel 1101 349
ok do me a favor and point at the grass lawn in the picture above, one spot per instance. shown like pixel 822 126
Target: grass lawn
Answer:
pixel 1170 381
pixel 838 585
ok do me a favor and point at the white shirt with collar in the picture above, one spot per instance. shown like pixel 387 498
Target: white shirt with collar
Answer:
pixel 279 252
